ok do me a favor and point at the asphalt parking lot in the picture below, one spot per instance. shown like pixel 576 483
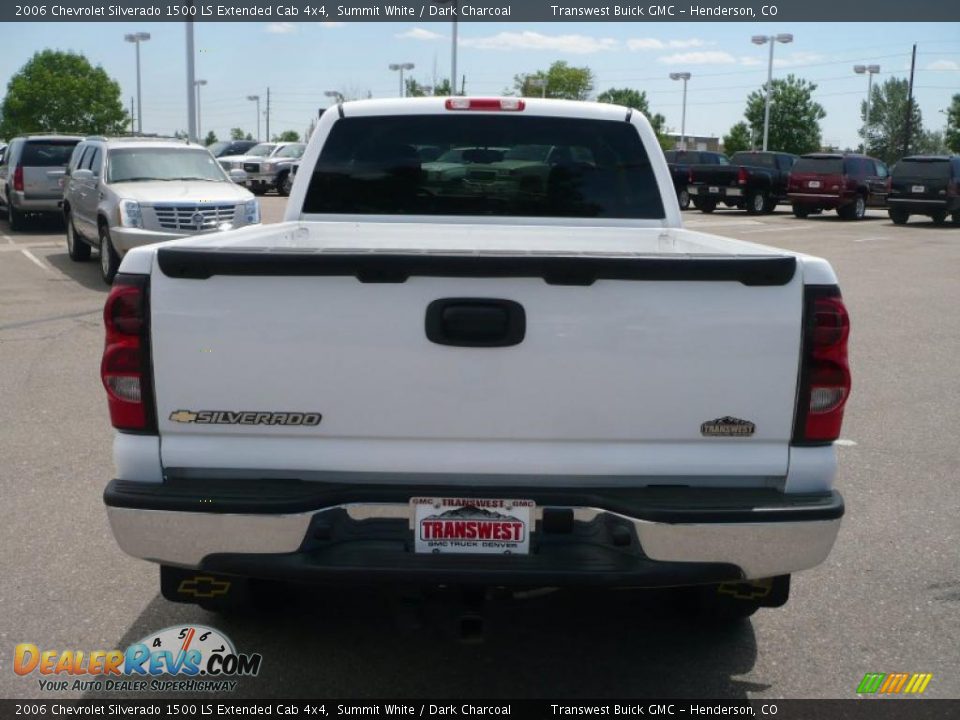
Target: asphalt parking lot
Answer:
pixel 886 600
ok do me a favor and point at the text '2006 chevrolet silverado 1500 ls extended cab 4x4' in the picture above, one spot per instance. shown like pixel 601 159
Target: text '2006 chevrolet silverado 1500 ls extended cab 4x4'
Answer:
pixel 504 377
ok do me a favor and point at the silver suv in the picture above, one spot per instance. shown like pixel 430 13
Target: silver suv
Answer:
pixel 123 193
pixel 31 175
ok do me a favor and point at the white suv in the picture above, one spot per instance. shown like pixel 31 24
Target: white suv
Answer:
pixel 123 193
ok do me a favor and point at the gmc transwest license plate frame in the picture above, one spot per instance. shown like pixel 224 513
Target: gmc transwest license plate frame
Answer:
pixel 484 526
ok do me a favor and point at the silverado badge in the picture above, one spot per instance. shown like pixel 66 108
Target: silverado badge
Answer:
pixel 727 427
pixel 244 417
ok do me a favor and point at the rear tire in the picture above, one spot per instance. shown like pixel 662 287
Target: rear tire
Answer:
pixel 898 216
pixel 14 217
pixel 705 206
pixel 109 260
pixel 683 197
pixel 757 203
pixel 855 210
pixel 78 250
pixel 257 189
pixel 939 218
pixel 799 211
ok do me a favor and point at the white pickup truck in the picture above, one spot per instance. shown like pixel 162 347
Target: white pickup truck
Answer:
pixel 518 375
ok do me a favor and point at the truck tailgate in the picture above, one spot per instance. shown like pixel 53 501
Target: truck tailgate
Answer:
pixel 635 341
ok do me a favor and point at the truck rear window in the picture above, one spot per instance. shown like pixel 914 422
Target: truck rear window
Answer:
pixel 46 153
pixel 486 165
pixel 933 169
pixel 823 166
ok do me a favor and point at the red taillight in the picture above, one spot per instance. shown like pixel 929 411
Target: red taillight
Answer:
pixel 125 368
pixel 953 188
pixel 742 176
pixel 18 178
pixel 889 183
pixel 825 372
pixel 463 103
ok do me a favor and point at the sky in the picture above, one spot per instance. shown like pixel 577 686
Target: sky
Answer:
pixel 299 61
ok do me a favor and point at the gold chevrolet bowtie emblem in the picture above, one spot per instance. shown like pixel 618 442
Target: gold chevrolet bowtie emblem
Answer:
pixel 183 416
pixel 747 590
pixel 204 586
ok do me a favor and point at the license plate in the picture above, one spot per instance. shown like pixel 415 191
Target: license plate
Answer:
pixel 918 189
pixel 813 184
pixel 714 190
pixel 487 526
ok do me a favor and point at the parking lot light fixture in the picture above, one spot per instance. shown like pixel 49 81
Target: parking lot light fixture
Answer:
pixel 136 39
pixel 336 95
pixel 198 84
pixel 773 40
pixel 401 67
pixel 869 71
pixel 256 99
pixel 683 115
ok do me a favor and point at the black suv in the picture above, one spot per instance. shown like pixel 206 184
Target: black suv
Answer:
pixel 925 185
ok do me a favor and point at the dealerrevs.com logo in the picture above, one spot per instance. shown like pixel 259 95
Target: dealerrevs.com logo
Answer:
pixel 197 657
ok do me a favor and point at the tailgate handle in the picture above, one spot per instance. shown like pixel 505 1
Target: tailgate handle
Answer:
pixel 475 322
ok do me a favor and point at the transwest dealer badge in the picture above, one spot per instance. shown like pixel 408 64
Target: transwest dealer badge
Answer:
pixel 727 427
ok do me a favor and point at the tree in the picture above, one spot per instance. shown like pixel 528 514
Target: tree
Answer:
pixel 794 116
pixel 415 89
pixel 563 81
pixel 636 99
pixel 236 134
pixel 287 136
pixel 952 134
pixel 738 139
pixel 888 121
pixel 930 142
pixel 443 89
pixel 62 91
pixel 211 138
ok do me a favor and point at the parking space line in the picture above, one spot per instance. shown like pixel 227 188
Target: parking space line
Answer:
pixel 36 261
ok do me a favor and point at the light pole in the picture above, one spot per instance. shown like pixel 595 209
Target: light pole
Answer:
pixel 401 67
pixel 454 6
pixel 538 83
pixel 136 39
pixel 870 71
pixel 191 90
pixel 198 84
pixel 256 99
pixel 683 116
pixel 762 40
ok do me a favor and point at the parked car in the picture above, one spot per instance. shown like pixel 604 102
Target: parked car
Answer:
pixel 273 173
pixel 925 185
pixel 256 153
pixel 123 193
pixel 680 161
pixel 504 387
pixel 31 175
pixel 230 147
pixel 3 150
pixel 846 182
pixel 753 180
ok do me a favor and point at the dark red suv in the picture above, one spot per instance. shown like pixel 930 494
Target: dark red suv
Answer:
pixel 847 183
